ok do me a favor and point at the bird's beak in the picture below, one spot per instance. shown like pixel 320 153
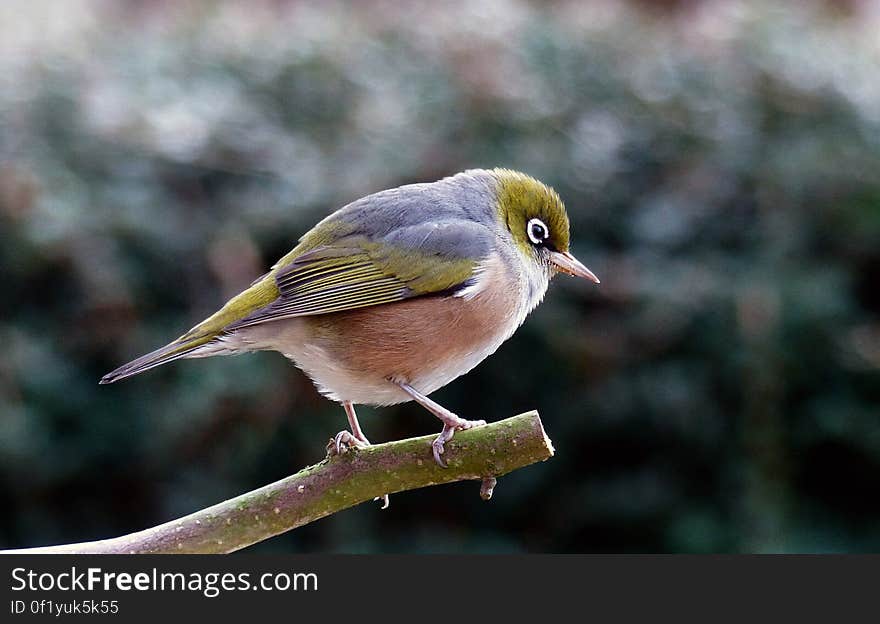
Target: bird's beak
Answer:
pixel 567 263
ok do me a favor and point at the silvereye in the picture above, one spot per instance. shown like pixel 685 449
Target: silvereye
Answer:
pixel 398 293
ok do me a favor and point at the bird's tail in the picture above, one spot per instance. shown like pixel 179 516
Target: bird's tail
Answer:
pixel 206 338
pixel 180 348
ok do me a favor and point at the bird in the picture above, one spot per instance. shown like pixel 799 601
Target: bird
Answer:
pixel 398 293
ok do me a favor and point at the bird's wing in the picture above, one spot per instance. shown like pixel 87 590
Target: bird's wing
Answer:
pixel 356 271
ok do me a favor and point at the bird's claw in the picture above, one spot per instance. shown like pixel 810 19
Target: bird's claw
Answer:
pixel 438 446
pixel 343 441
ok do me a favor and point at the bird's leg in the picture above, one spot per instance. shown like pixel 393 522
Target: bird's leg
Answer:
pixel 354 438
pixel 451 422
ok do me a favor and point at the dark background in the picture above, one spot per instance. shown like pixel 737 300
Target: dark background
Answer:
pixel 719 161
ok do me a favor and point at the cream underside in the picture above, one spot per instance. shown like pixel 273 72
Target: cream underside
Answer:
pixel 426 341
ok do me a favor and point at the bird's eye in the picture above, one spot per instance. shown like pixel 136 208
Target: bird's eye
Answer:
pixel 537 231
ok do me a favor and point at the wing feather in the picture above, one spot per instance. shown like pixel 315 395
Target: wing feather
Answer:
pixel 356 272
pixel 324 285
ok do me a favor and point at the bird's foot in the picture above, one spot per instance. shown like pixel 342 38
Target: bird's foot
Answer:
pixel 345 440
pixel 449 429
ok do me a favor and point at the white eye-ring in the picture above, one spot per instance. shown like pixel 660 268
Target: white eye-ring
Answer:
pixel 537 231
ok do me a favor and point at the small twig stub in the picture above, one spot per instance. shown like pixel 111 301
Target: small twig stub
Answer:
pixel 487 487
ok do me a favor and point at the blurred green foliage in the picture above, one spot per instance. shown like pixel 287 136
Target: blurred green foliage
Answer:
pixel 720 164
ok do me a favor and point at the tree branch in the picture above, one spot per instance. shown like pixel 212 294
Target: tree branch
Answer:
pixel 338 482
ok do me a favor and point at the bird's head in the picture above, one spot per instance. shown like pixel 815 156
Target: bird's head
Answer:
pixel 536 218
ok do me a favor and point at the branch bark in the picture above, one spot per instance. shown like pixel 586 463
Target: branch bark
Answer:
pixel 338 482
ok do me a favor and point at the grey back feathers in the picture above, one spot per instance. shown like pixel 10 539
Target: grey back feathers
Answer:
pixel 454 217
pixel 469 196
pixel 448 237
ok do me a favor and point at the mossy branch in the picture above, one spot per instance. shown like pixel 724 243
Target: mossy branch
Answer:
pixel 338 482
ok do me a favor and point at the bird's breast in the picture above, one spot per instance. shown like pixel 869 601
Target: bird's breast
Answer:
pixel 426 341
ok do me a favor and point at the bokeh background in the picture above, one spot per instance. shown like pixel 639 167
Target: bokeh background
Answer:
pixel 721 165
